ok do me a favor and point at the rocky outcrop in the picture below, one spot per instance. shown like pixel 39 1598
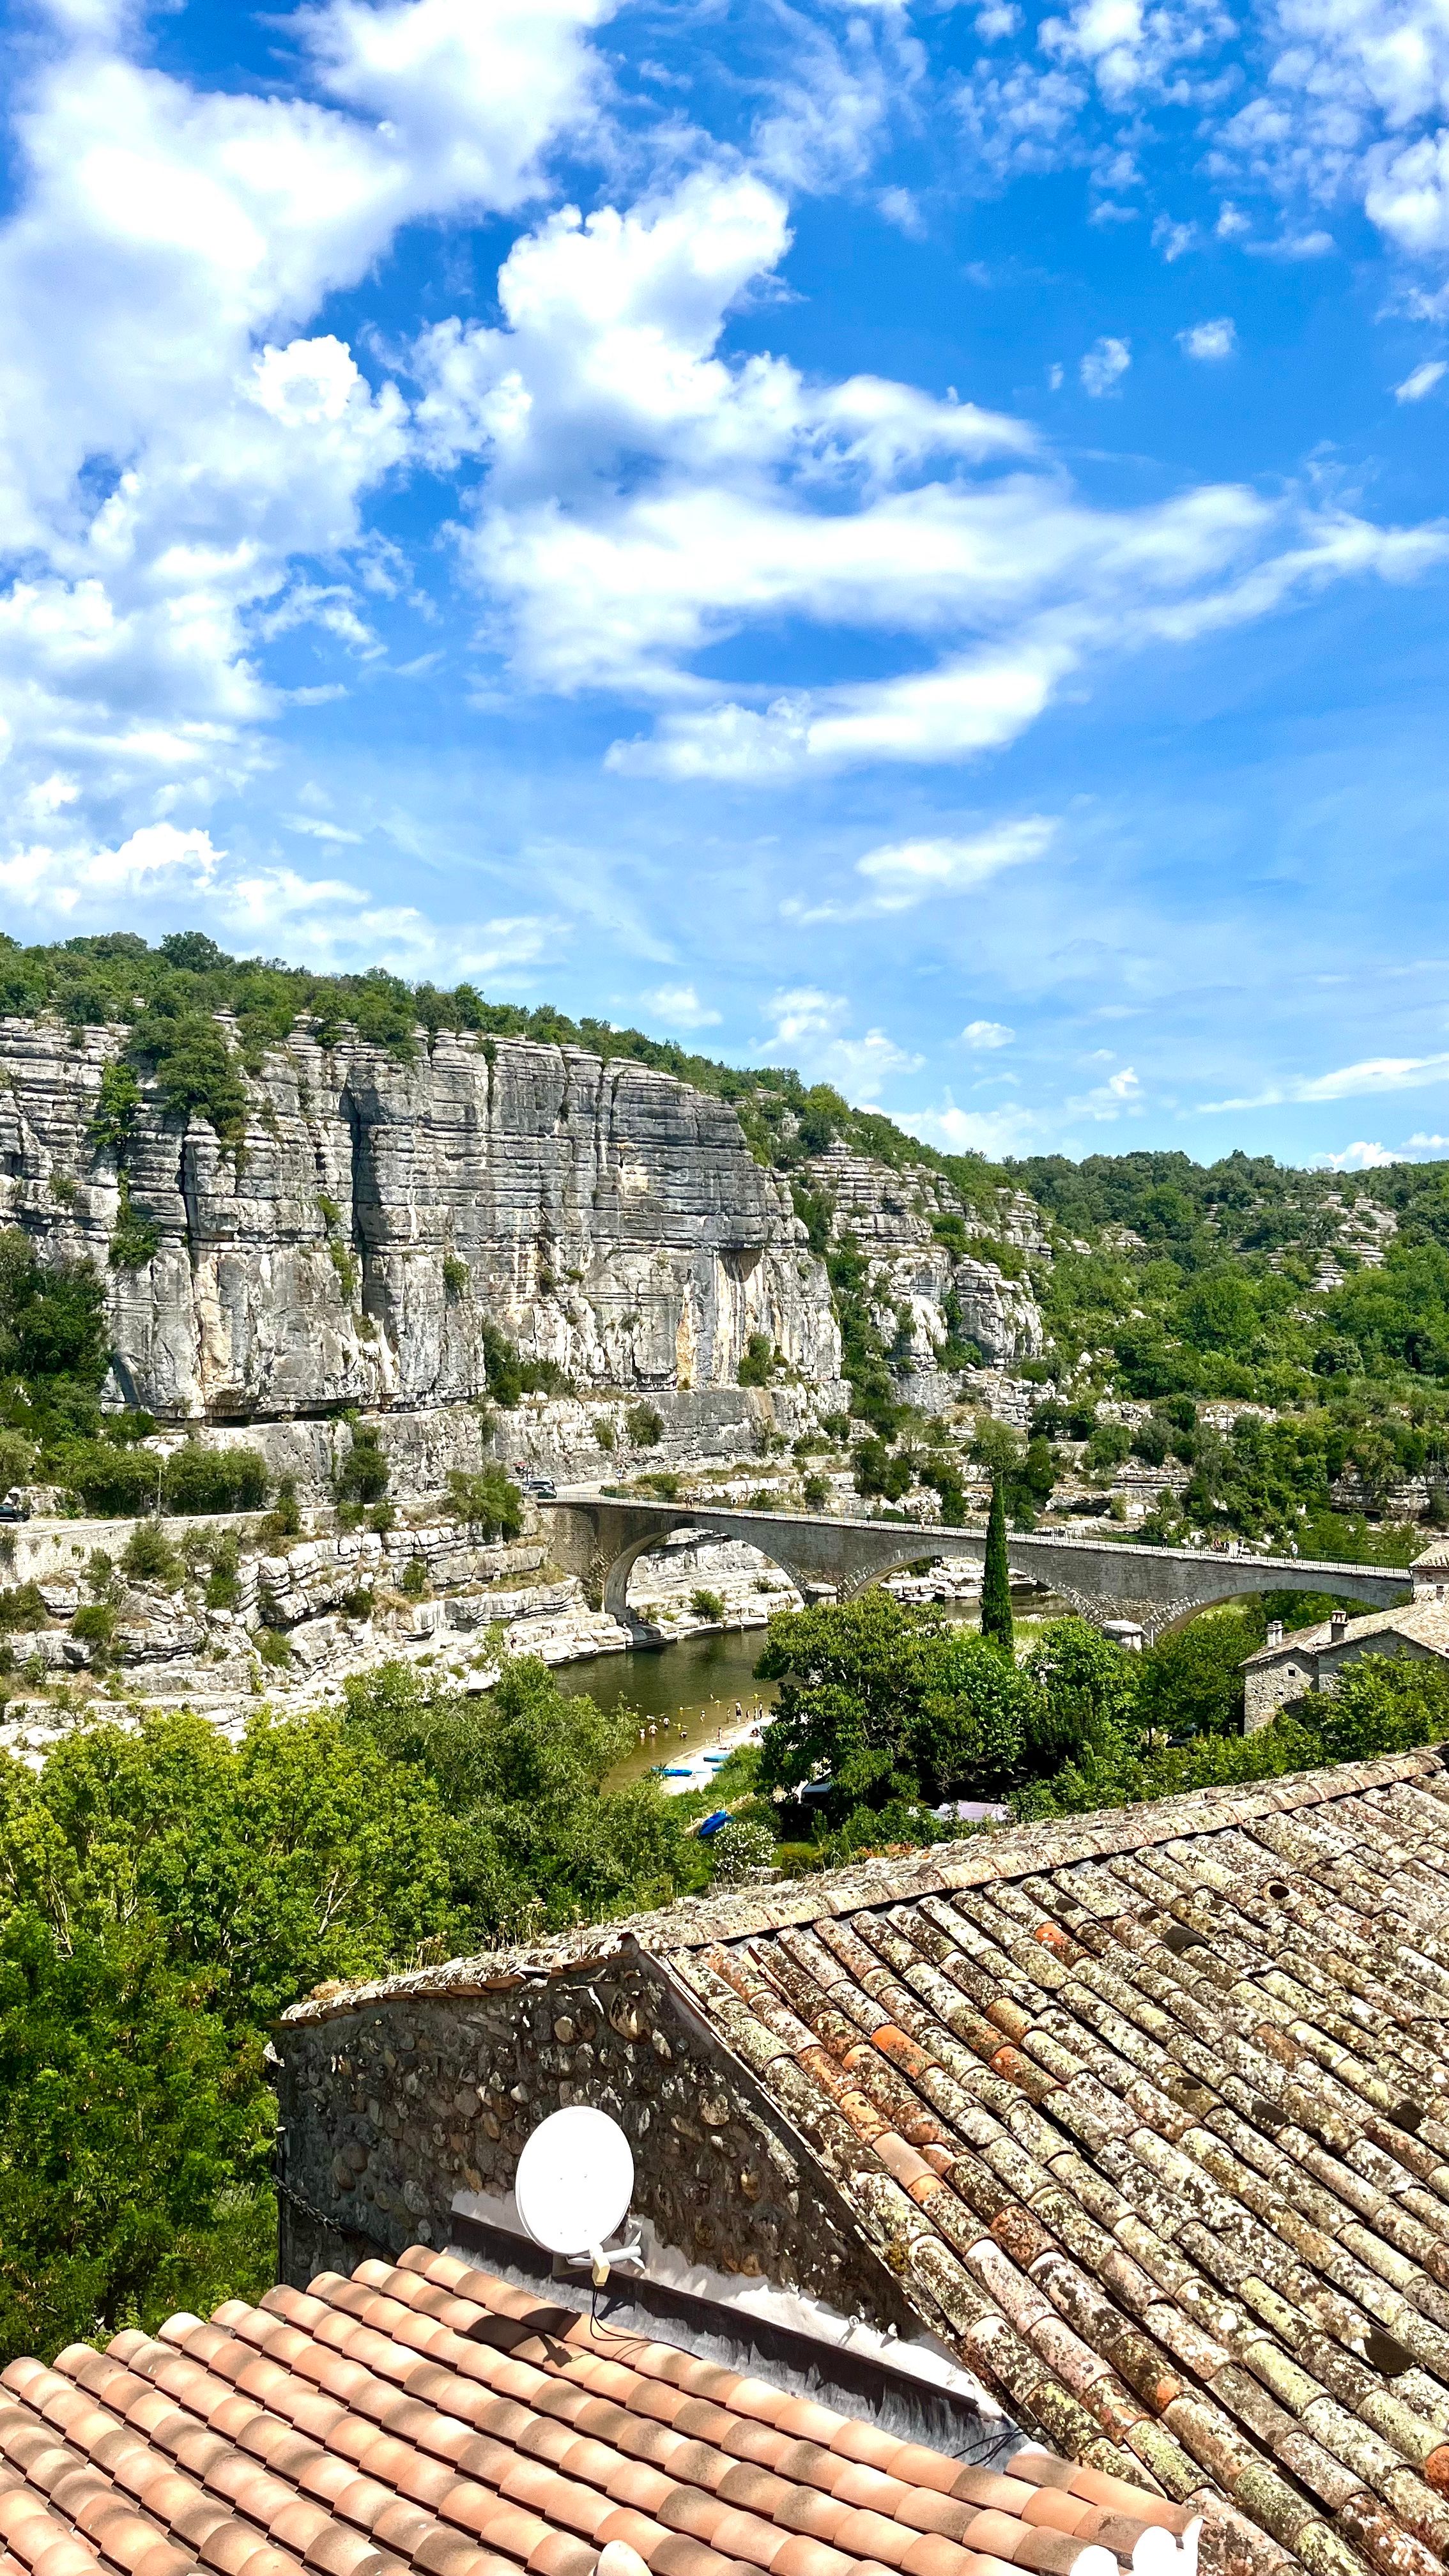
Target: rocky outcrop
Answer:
pixel 910 1226
pixel 377 1216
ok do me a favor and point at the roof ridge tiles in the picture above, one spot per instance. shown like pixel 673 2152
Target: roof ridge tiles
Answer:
pixel 1009 1852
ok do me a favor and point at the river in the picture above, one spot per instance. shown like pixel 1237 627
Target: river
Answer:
pixel 690 1691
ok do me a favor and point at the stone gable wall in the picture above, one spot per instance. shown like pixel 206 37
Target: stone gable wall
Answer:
pixel 391 2108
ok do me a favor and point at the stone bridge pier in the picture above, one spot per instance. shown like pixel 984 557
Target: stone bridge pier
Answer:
pixel 598 1538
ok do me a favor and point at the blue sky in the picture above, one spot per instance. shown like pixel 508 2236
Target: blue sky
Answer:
pixel 907 539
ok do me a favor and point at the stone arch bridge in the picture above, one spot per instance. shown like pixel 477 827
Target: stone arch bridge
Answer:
pixel 598 1539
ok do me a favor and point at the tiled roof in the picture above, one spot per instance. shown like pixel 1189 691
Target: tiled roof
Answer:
pixel 1149 2110
pixel 1426 1621
pixel 426 2416
pixel 1164 2135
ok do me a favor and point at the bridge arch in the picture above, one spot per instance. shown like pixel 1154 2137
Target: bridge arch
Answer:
pixel 600 1537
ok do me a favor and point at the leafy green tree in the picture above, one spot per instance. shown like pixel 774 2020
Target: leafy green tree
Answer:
pixel 1088 1686
pixel 996 1620
pixel 535 1839
pixel 1190 1682
pixel 487 1501
pixel 891 1703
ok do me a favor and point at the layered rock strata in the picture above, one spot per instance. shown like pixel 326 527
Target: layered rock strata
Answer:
pixel 377 1216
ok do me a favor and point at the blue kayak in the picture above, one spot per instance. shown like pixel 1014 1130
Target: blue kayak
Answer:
pixel 712 1824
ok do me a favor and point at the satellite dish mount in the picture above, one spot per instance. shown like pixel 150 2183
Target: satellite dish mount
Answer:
pixel 573 2186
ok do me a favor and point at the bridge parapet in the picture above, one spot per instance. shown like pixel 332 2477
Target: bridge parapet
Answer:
pixel 599 1538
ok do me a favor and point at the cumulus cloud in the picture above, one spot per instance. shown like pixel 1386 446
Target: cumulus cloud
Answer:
pixel 972 1131
pixel 1421 382
pixel 1104 366
pixel 173 437
pixel 814 1026
pixel 1355 1158
pixel 983 1036
pixel 1210 339
pixel 680 1007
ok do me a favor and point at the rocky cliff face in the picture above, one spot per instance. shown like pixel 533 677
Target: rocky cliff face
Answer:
pixel 377 1216
pixel 892 1217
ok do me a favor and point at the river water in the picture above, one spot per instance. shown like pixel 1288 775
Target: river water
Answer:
pixel 690 1692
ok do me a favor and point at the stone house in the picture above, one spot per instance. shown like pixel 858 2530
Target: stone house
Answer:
pixel 1140 2119
pixel 1308 1659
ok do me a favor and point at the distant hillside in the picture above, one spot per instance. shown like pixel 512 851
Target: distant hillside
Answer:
pixel 1321 1299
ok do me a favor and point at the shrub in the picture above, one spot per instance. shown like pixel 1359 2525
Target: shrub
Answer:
pixel 363 1474
pixel 357 1605
pixel 23 1607
pixel 100 1574
pixel 877 1472
pixel 382 1518
pixel 816 1491
pixel 740 1847
pixel 456 1276
pixel 149 1557
pixel 645 1426
pixel 108 1480
pixel 706 1604
pixel 95 1625
pixel 488 1501
pixel 284 1520
pixel 214 1480
pixel 1109 1445
pixel 134 1239
pixel 195 1069
pixel 117 1102
pixel 757 1361
pixel 345 1267
pixel 604 1432
pixel 17 1459
pixel 273 1648
pixel 414 1578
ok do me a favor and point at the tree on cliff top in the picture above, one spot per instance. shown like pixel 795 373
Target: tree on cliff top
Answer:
pixel 996 1620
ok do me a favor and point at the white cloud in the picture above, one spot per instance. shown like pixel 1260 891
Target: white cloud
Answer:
pixel 172 437
pixel 903 874
pixel 158 858
pixel 1348 1082
pixel 812 1024
pixel 1421 382
pixel 982 1036
pixel 1356 1158
pixel 680 1007
pixel 1210 339
pixel 1172 239
pixel 1119 1095
pixel 1104 365
pixel 972 1131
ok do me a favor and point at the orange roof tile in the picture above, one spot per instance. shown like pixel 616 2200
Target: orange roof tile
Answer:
pixel 467 2441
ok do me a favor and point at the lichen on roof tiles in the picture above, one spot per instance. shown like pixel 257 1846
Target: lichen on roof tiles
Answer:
pixel 1158 2124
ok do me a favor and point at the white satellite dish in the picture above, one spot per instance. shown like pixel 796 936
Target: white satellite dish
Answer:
pixel 574 2183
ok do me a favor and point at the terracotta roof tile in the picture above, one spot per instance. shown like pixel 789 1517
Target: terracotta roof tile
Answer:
pixel 187 2450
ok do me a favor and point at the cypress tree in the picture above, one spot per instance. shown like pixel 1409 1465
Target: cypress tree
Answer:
pixel 996 1578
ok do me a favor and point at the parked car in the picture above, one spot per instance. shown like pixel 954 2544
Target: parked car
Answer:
pixel 15 1506
pixel 541 1489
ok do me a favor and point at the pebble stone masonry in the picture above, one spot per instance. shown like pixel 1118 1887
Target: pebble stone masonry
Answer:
pixel 1146 2114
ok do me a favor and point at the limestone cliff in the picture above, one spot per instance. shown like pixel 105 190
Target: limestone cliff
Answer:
pixel 909 1227
pixel 377 1216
